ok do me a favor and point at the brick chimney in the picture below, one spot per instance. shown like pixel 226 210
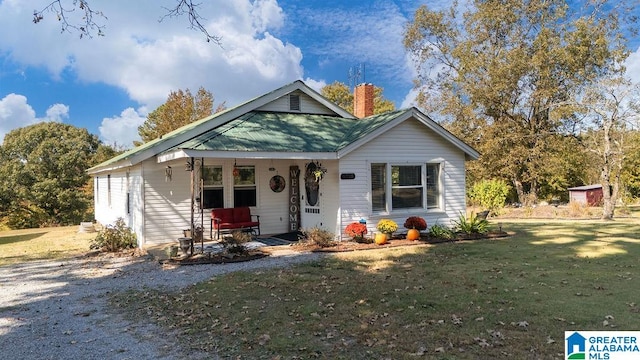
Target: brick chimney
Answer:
pixel 363 100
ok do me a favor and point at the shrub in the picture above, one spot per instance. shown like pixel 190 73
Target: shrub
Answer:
pixel 234 243
pixel 440 232
pixel 113 238
pixel 356 230
pixel 470 225
pixel 415 222
pixel 320 237
pixel 490 194
pixel 387 226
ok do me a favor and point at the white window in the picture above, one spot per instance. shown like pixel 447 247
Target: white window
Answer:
pixel 379 187
pixel 212 188
pixel 244 186
pixel 433 186
pixel 405 187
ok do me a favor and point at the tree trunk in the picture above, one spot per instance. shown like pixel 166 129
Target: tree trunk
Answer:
pixel 519 191
pixel 608 206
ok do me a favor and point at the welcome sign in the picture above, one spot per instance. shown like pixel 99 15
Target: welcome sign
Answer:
pixel 294 198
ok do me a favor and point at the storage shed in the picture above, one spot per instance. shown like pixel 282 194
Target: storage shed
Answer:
pixel 590 195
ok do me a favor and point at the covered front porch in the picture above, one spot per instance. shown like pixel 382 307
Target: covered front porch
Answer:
pixel 286 193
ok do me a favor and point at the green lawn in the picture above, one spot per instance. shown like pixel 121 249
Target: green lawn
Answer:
pixel 18 246
pixel 511 298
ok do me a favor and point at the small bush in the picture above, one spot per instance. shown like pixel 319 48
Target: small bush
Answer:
pixel 415 222
pixel 470 225
pixel 440 232
pixel 113 238
pixel 356 230
pixel 387 226
pixel 319 237
pixel 234 243
pixel 490 194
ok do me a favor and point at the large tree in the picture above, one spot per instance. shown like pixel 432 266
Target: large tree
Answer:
pixel 181 108
pixel 80 16
pixel 631 169
pixel 340 94
pixel 612 107
pixel 498 70
pixel 43 167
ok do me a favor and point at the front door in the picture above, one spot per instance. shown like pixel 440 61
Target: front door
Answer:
pixel 311 196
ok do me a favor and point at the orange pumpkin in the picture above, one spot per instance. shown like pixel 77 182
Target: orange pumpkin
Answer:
pixel 381 238
pixel 413 234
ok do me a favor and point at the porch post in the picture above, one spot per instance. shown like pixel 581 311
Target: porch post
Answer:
pixel 192 203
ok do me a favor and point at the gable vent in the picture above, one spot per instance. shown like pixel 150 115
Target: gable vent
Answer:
pixel 294 102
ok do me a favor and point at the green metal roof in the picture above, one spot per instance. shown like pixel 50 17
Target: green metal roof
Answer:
pixel 159 145
pixel 286 132
pixel 244 129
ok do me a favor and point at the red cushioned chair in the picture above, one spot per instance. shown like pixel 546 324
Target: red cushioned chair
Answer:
pixel 229 219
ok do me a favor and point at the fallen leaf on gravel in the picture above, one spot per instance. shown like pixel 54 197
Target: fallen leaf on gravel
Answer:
pixel 263 339
pixel 421 351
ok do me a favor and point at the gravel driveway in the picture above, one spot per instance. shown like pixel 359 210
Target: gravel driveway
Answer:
pixel 58 309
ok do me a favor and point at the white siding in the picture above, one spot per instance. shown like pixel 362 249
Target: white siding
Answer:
pixel 110 194
pixel 272 207
pixel 307 105
pixel 410 143
pixel 330 194
pixel 167 202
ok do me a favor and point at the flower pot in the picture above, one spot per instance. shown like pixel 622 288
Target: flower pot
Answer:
pixel 413 234
pixel 186 245
pixel 381 238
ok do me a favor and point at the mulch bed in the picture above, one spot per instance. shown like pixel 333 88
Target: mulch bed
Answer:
pixel 198 259
pixel 345 246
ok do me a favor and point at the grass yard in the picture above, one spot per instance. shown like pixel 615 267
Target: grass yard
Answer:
pixel 510 298
pixel 17 246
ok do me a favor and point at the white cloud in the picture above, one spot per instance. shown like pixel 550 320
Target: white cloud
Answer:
pixel 123 130
pixel 633 66
pixel 57 112
pixel 316 85
pixel 148 59
pixel 15 112
pixel 371 35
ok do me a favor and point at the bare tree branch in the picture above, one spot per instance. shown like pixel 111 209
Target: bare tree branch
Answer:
pixel 86 27
pixel 189 8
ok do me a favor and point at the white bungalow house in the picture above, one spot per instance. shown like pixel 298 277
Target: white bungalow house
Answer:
pixel 293 157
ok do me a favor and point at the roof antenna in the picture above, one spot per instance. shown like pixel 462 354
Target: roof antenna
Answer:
pixel 356 75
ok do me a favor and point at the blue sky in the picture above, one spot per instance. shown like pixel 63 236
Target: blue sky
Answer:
pixel 109 84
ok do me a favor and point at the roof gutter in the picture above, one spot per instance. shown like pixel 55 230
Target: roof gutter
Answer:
pixel 212 154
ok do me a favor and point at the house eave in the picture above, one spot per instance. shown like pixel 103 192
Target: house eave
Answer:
pixel 187 153
pixel 110 167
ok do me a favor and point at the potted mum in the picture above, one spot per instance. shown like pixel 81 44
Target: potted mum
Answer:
pixel 415 224
pixel 386 227
pixel 356 231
